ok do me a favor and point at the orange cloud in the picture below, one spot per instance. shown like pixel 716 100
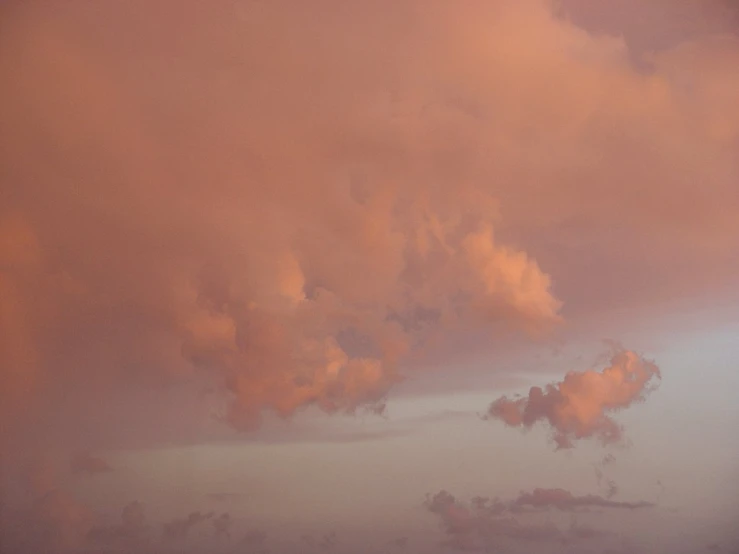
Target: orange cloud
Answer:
pixel 292 220
pixel 289 294
pixel 578 406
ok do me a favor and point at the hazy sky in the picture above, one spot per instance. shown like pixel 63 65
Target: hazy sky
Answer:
pixel 368 277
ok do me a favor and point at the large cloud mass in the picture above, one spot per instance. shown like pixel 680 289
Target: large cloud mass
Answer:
pixel 290 201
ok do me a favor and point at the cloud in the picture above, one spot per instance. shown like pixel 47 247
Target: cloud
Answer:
pixel 187 209
pixel 326 541
pixel 46 515
pixel 400 542
pixel 39 475
pixel 133 516
pixel 612 489
pixel 132 528
pixel 578 407
pixel 289 289
pixel 610 486
pixel 179 528
pixel 564 500
pixel 474 527
pixel 226 496
pixel 484 523
pixel 85 462
pixel 59 521
pixel 643 25
pixel 222 525
pixel 254 541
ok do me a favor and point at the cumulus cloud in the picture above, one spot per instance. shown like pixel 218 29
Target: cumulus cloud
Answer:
pixel 187 208
pixel 291 284
pixel 328 541
pixel 85 462
pixel 611 488
pixel 581 531
pixel 578 407
pixel 254 537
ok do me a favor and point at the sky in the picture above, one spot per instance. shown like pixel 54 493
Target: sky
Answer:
pixel 417 276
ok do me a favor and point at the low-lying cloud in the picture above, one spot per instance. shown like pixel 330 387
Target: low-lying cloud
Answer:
pixel 564 500
pixel 475 527
pixel 484 523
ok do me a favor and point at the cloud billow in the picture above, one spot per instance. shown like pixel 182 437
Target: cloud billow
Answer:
pixel 295 245
pixel 578 407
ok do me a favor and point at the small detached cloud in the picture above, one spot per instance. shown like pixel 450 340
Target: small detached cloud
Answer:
pixel 578 406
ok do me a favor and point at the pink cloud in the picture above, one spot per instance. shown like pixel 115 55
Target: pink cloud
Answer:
pixel 564 500
pixel 199 207
pixel 483 523
pixel 578 406
pixel 474 527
